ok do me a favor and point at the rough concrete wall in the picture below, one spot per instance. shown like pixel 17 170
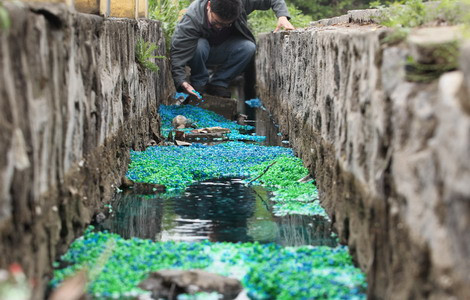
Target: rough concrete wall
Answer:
pixel 73 102
pixel 391 158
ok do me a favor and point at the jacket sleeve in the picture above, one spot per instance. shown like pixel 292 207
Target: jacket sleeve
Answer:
pixel 183 45
pixel 278 6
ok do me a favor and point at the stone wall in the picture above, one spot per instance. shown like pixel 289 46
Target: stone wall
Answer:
pixel 73 103
pixel 391 158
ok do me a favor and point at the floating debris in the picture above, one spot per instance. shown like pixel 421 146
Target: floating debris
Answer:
pixel 199 96
pixel 182 143
pixel 216 129
pixel 254 102
pixel 178 167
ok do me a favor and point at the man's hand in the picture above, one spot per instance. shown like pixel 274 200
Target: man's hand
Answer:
pixel 283 22
pixel 189 89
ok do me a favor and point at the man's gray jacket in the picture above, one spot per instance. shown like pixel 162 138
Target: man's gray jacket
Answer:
pixel 194 25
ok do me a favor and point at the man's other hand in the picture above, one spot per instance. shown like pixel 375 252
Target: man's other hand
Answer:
pixel 283 22
pixel 189 89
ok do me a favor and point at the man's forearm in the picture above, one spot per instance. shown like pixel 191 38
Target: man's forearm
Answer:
pixel 280 8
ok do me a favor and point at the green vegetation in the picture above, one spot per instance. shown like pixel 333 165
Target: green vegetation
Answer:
pixel 144 55
pixel 282 176
pixel 261 21
pixel 5 21
pixel 267 271
pixel 168 12
pixel 321 9
pixel 407 14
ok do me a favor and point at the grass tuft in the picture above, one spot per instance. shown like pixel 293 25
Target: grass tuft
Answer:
pixel 144 54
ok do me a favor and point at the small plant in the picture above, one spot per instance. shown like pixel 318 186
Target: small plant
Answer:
pixel 144 55
pixel 5 21
pixel 409 14
pixel 168 12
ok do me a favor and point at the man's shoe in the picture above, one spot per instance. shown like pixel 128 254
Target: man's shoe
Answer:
pixel 219 91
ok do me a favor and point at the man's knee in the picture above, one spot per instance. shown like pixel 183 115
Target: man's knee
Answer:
pixel 244 49
pixel 248 48
pixel 202 49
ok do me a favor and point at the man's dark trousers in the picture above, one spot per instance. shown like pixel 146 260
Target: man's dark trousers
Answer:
pixel 230 58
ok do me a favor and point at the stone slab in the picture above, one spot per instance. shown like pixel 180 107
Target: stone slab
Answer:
pixel 226 107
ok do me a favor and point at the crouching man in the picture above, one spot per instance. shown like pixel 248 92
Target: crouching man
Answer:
pixel 214 34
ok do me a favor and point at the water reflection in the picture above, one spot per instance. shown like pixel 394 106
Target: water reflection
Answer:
pixel 135 216
pixel 222 210
pixel 296 230
pixel 226 204
pixel 265 126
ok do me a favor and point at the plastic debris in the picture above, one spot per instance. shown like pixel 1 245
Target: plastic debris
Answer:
pixel 177 167
pixel 266 271
pixel 254 102
pixel 181 95
pixel 199 96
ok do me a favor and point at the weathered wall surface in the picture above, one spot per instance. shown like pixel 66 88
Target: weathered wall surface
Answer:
pixel 73 102
pixel 391 157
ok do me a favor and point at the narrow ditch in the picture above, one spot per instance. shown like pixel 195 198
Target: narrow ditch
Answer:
pixel 245 210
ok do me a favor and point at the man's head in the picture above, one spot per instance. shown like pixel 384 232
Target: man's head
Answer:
pixel 224 12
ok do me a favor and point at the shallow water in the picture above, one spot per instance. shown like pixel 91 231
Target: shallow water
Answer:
pixel 220 210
